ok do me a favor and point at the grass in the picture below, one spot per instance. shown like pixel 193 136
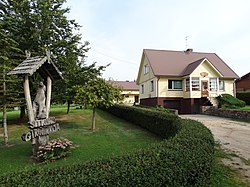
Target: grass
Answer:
pixel 113 136
pixel 225 176
pixel 247 107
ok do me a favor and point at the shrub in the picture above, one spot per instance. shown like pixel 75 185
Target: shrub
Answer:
pixel 245 96
pixel 53 150
pixel 160 122
pixel 183 160
pixel 228 101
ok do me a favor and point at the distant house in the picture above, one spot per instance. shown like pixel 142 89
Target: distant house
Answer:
pixel 130 92
pixel 183 80
pixel 243 84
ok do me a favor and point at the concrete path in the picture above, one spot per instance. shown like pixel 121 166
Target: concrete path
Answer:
pixel 233 136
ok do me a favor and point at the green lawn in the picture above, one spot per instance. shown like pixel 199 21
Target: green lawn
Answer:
pixel 113 136
pixel 247 107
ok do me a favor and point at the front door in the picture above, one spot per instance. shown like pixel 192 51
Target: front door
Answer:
pixel 204 88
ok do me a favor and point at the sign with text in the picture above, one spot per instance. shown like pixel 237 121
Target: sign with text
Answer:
pixel 41 128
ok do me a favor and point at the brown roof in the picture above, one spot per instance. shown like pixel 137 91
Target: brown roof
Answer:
pixel 40 64
pixel 126 85
pixel 181 63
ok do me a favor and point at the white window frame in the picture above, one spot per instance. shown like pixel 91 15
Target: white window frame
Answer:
pixel 213 84
pixel 173 85
pixel 142 89
pixel 195 83
pixel 223 85
pixel 188 84
pixel 152 86
pixel 146 69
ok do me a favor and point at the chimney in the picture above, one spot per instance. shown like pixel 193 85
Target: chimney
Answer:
pixel 189 50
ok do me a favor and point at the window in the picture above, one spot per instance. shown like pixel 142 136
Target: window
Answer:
pixel 222 85
pixel 195 83
pixel 175 84
pixel 187 85
pixel 142 89
pixel 213 84
pixel 151 86
pixel 146 69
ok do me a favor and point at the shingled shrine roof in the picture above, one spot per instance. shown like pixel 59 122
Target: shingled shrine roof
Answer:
pixel 44 66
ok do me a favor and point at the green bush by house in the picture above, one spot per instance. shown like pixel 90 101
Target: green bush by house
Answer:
pixel 229 101
pixel 244 96
pixel 182 160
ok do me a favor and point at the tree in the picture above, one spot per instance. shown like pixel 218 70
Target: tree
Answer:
pixel 98 93
pixel 43 25
pixel 8 51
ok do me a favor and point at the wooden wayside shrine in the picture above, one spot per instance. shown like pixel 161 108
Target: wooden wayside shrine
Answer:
pixel 40 124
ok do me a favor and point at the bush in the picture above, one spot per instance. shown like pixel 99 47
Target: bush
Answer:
pixel 228 101
pixel 159 122
pixel 244 96
pixel 53 150
pixel 185 159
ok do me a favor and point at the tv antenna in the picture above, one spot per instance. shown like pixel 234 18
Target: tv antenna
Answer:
pixel 186 40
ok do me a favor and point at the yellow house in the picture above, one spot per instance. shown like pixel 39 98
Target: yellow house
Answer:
pixel 183 80
pixel 130 92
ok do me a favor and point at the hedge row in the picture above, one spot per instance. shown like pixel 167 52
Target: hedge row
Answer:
pixel 160 122
pixel 229 101
pixel 182 160
pixel 244 96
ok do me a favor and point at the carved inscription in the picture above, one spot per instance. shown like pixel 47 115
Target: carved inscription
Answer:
pixel 41 128
pixel 40 132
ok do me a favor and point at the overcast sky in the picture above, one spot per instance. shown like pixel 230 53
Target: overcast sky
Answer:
pixel 119 30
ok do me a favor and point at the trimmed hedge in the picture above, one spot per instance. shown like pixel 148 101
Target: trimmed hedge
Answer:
pixel 244 96
pixel 162 123
pixel 229 101
pixel 182 160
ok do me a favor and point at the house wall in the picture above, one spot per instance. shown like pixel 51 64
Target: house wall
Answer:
pixel 243 85
pixel 129 96
pixel 163 90
pixel 205 67
pixel 145 80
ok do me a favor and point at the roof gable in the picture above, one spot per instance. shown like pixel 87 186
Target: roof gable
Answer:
pixel 43 65
pixel 126 85
pixel 193 66
pixel 179 63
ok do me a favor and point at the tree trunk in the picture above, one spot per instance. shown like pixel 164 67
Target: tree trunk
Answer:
pixel 93 119
pixel 68 102
pixel 22 113
pixel 5 131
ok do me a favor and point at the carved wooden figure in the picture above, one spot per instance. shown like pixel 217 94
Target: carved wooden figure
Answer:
pixel 40 124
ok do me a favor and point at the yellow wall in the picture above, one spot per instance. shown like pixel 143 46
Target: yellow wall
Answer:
pixel 147 91
pixel 205 67
pixel 163 88
pixel 131 97
pixel 162 85
pixel 145 77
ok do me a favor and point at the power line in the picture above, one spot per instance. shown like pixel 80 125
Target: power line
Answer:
pixel 114 58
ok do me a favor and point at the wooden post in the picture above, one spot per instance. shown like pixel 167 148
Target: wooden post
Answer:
pixel 28 98
pixel 49 85
pixel 31 116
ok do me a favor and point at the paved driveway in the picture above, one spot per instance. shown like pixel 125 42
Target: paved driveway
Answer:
pixel 232 135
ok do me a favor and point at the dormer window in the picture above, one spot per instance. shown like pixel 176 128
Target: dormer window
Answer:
pixel 146 69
